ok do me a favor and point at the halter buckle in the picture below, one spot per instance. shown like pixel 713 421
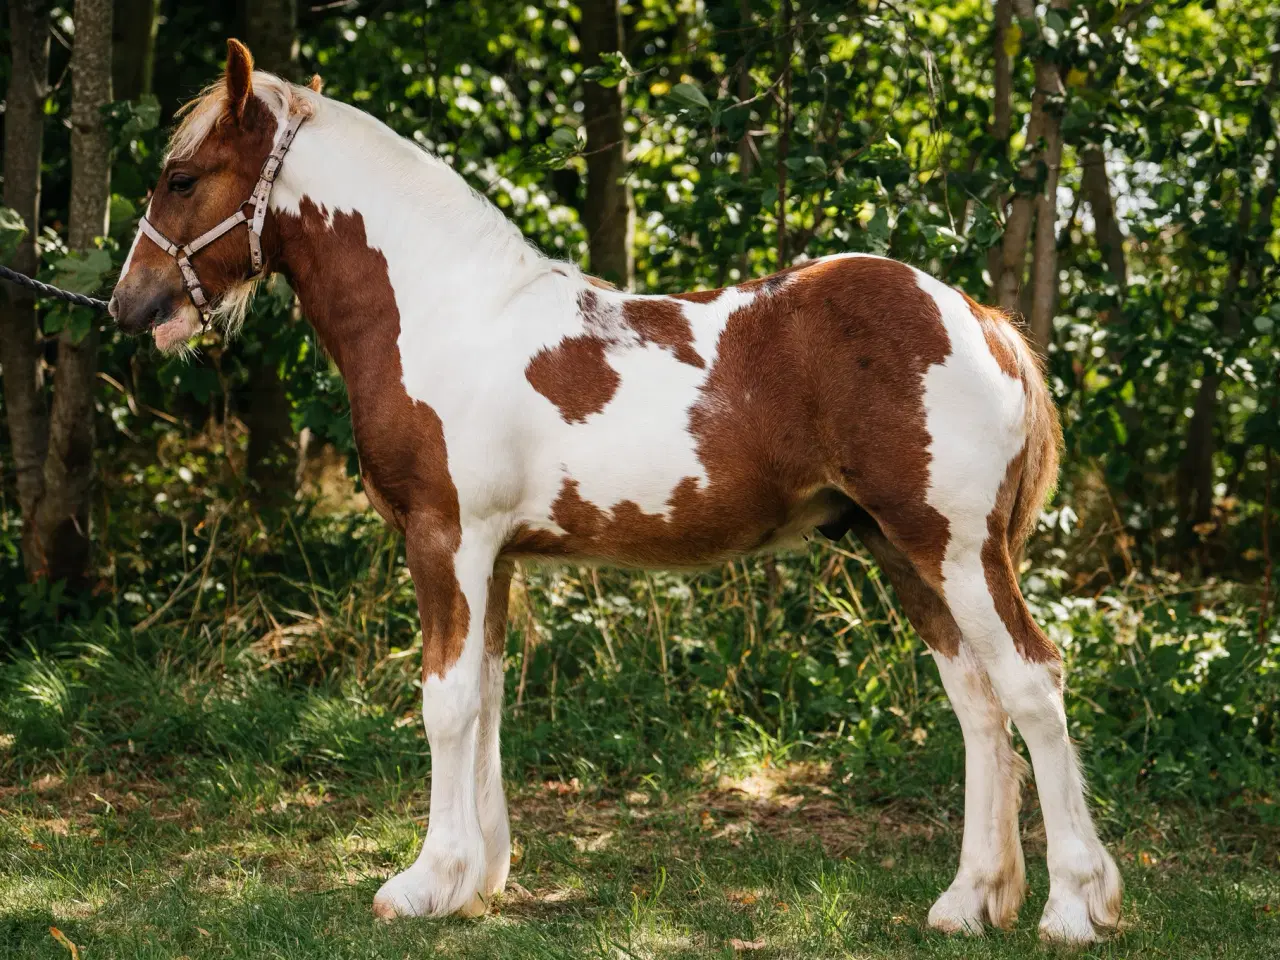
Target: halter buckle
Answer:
pixel 271 168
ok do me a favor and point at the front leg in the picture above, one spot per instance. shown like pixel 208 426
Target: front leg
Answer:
pixel 451 575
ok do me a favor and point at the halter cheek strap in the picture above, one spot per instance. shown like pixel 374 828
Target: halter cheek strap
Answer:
pixel 257 218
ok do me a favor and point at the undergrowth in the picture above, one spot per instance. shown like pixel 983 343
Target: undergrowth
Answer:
pixel 298 647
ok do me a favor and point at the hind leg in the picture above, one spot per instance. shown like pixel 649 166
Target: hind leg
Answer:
pixel 1025 671
pixel 491 800
pixel 990 882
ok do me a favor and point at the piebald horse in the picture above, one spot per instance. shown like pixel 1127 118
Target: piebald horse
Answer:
pixel 506 406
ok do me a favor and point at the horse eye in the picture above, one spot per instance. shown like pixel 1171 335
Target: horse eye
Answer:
pixel 181 182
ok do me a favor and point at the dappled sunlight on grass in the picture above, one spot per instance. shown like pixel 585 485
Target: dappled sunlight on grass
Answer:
pixel 760 800
pixel 651 873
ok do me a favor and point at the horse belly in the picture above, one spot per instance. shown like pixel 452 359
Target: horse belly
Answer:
pixel 643 497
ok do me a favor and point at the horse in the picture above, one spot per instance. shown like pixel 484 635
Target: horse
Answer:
pixel 508 407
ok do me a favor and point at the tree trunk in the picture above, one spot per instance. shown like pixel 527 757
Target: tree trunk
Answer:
pixel 1195 476
pixel 62 516
pixel 1001 114
pixel 133 40
pixel 19 333
pixel 271 32
pixel 609 214
pixel 746 159
pixel 1044 263
pixel 1045 141
pixel 1106 227
pixel 786 47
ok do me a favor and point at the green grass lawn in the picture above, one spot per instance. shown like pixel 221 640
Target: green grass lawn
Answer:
pixel 235 860
pixel 690 783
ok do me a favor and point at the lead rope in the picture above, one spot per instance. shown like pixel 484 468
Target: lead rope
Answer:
pixel 48 290
pixel 182 252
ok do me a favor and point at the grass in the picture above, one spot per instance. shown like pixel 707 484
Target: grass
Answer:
pixel 754 762
pixel 241 862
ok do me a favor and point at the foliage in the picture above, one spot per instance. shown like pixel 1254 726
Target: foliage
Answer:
pixel 889 150
pixel 617 676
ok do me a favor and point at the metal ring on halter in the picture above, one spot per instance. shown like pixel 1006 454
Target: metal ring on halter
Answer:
pixel 258 201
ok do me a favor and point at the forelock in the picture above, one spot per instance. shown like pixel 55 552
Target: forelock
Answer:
pixel 281 99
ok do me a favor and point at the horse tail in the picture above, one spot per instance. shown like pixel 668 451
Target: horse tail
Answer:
pixel 1042 449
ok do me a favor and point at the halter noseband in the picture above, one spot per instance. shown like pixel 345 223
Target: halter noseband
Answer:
pixel 182 252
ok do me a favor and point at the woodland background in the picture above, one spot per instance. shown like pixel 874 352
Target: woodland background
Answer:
pixel 198 610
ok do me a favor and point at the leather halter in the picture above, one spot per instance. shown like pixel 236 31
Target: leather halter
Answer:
pixel 257 202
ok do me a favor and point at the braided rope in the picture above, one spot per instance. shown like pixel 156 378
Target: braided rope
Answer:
pixel 22 280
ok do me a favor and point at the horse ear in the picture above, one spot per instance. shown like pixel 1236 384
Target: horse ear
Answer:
pixel 315 84
pixel 239 77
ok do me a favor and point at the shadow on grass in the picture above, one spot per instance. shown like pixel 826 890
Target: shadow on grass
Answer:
pixel 739 868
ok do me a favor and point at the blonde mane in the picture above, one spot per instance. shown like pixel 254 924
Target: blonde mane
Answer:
pixel 489 234
pixel 199 116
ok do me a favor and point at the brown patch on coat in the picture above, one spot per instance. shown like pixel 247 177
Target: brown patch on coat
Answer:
pixel 770 284
pixel 926 610
pixel 776 281
pixel 1002 578
pixel 347 295
pixel 661 321
pixel 575 376
pixel 817 388
pixel 495 611
pixel 700 296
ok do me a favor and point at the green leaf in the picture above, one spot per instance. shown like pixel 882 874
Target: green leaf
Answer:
pixel 12 230
pixel 126 119
pixel 1263 325
pixel 80 323
pixel 611 71
pixel 563 138
pixel 82 273
pixel 53 321
pixel 986 230
pixel 1118 429
pixel 123 215
pixel 689 97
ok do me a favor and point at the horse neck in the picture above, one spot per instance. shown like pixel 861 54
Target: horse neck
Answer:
pixel 375 234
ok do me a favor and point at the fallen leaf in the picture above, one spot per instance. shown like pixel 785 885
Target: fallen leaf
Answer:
pixel 62 939
pixel 203 932
pixel 746 944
